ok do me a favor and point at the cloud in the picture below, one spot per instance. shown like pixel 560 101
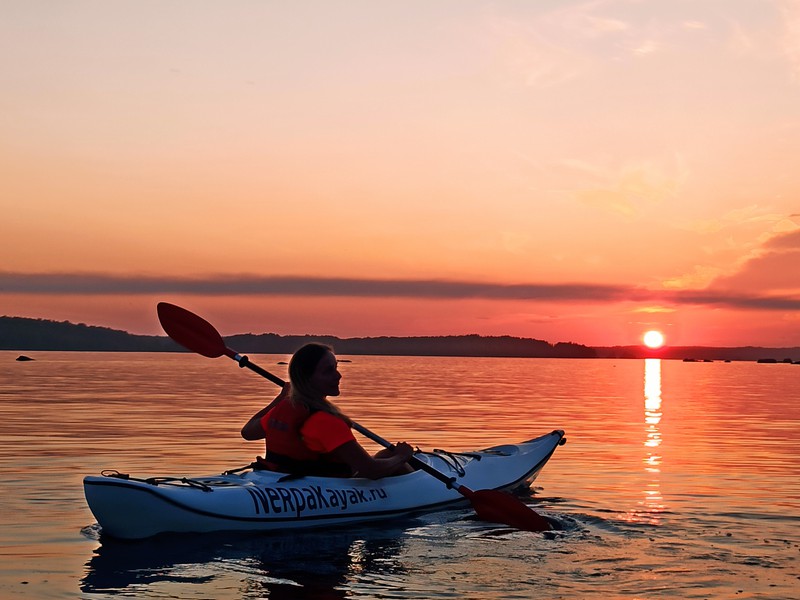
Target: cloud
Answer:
pixel 731 241
pixel 646 47
pixel 522 52
pixel 774 268
pixel 786 241
pixel 790 10
pixel 432 289
pixel 626 188
pixel 752 215
pixel 694 25
pixel 604 25
pixel 555 45
pixel 697 278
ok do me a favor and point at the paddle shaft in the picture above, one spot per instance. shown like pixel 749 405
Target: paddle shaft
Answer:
pixel 245 362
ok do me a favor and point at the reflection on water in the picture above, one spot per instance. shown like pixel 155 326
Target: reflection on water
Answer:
pixel 653 500
pixel 292 565
pixel 649 509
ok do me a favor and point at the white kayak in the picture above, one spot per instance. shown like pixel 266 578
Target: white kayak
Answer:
pixel 260 500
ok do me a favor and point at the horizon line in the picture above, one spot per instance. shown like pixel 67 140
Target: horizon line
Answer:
pixel 411 337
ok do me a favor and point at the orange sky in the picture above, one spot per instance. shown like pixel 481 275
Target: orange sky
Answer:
pixel 570 171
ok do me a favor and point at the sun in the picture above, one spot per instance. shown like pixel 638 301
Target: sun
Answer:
pixel 653 339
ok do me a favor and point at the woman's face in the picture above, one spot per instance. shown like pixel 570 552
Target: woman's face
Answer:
pixel 326 376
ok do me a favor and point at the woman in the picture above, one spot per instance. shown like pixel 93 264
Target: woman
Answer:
pixel 306 434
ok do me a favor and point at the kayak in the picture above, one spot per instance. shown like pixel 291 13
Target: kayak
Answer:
pixel 259 500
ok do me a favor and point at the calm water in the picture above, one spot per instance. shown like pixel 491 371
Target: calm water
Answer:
pixel 678 480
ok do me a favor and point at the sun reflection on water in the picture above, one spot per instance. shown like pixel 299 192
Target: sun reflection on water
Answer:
pixel 653 503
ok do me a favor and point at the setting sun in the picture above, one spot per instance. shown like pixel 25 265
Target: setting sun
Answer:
pixel 653 339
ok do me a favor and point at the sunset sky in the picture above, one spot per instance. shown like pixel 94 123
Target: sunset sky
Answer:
pixel 563 170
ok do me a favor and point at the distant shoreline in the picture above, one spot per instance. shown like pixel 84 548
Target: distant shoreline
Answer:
pixel 30 335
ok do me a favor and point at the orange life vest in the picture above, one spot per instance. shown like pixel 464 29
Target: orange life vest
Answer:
pixel 286 451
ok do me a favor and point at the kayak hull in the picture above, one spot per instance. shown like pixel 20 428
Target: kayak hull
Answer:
pixel 129 508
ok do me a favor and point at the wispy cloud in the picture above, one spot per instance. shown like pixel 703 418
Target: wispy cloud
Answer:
pixel 748 248
pixel 248 285
pixel 773 268
pixel 789 240
pixel 696 25
pixel 738 217
pixel 554 45
pixel 521 51
pixel 791 38
pixel 625 188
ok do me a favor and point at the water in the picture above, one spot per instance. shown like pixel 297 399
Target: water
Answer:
pixel 678 480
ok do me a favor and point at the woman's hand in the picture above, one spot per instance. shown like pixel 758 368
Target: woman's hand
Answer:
pixel 389 461
pixel 402 450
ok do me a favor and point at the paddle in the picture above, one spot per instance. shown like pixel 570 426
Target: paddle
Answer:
pixel 198 335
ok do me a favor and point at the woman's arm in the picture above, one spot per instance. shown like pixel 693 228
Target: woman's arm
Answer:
pixel 373 467
pixel 252 430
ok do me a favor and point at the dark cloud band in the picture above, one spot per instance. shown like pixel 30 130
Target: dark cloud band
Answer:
pixel 99 284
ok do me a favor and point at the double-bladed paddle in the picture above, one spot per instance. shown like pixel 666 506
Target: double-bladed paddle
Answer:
pixel 198 335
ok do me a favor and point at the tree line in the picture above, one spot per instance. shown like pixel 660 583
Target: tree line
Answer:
pixel 20 333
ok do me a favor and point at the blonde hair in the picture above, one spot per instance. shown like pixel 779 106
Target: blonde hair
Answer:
pixel 301 369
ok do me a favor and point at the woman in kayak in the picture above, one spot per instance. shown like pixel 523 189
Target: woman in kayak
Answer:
pixel 306 434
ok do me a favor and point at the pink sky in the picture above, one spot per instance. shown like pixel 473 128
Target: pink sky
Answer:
pixel 569 171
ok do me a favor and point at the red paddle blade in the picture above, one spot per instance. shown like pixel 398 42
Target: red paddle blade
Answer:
pixel 501 507
pixel 190 331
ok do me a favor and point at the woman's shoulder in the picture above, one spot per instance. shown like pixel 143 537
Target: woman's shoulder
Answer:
pixel 324 432
pixel 322 417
